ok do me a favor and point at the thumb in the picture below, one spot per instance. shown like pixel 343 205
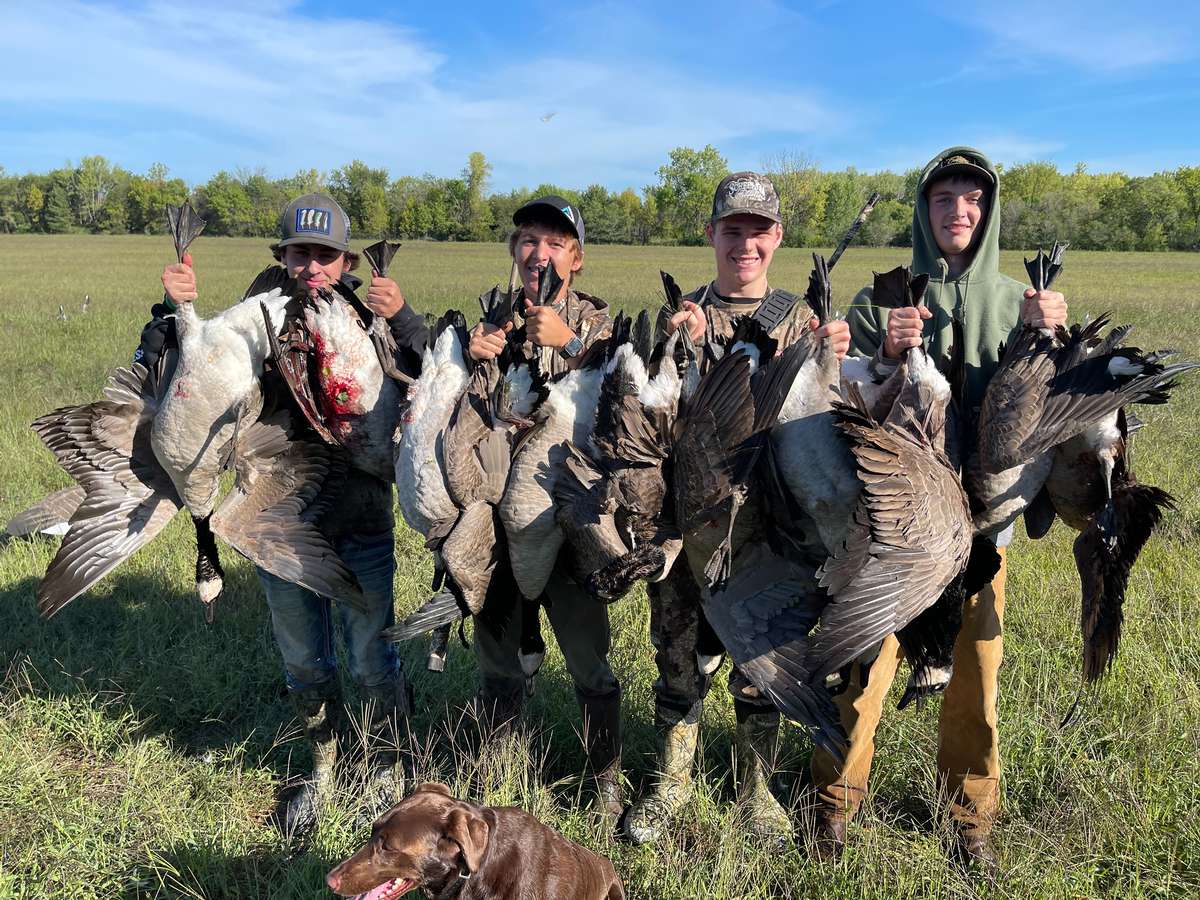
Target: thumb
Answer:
pixel 926 312
pixel 1029 292
pixel 508 326
pixel 187 258
pixel 813 323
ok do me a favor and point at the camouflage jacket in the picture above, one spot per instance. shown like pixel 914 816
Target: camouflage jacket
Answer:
pixel 722 313
pixel 585 315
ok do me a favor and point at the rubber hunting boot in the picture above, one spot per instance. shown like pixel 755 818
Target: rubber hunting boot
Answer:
pixel 757 742
pixel 672 789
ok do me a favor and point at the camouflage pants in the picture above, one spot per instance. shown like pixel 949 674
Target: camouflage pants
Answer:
pixel 677 629
pixel 581 628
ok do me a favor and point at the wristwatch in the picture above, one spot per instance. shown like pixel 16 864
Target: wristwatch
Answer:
pixel 572 348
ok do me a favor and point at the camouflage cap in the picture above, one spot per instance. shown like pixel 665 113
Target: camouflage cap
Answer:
pixel 746 194
pixel 315 219
pixel 957 166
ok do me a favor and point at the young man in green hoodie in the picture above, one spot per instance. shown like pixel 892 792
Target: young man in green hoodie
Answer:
pixel 956 241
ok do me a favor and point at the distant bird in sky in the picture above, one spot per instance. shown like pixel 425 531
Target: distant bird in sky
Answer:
pixel 62 313
pixel 548 116
pixel 87 303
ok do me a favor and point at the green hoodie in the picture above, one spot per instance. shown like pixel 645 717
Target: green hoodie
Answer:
pixel 987 303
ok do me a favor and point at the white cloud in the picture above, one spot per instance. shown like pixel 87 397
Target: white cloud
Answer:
pixel 1097 37
pixel 209 87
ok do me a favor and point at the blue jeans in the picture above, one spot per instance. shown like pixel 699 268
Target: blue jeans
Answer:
pixel 303 621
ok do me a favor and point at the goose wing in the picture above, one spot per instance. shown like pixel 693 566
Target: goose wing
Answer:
pixel 764 614
pixel 49 515
pixel 285 482
pixel 912 535
pixel 128 496
pixel 292 348
pixel 716 421
pixel 471 552
pixel 466 440
pixel 1097 387
pixel 585 513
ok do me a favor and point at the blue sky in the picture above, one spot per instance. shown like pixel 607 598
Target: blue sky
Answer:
pixel 416 87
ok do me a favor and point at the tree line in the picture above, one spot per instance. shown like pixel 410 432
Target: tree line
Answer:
pixel 1105 211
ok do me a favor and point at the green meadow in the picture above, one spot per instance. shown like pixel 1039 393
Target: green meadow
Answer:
pixel 141 751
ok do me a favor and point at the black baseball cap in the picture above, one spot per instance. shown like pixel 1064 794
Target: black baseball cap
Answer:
pixel 315 219
pixel 553 208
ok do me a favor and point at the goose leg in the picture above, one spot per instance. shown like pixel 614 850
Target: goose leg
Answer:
pixel 210 577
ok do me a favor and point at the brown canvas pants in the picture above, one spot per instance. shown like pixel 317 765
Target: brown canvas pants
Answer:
pixel 968 743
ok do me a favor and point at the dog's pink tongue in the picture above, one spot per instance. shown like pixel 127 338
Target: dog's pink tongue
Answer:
pixel 388 889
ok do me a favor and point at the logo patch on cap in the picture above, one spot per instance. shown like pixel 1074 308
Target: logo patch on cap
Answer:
pixel 746 191
pixel 312 220
pixel 569 214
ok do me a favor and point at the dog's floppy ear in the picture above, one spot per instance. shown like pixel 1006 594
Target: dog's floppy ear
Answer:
pixel 468 829
pixel 433 787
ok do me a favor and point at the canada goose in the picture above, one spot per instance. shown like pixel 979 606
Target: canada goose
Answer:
pixel 129 496
pixel 527 509
pixel 1092 488
pixel 760 600
pixel 161 438
pixel 50 515
pixel 614 503
pixel 1047 390
pixel 420 464
pixel 361 405
pixel 813 458
pixel 912 526
pixel 216 384
pixel 477 443
pixel 919 398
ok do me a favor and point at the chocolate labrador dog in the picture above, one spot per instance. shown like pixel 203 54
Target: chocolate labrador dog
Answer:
pixel 451 849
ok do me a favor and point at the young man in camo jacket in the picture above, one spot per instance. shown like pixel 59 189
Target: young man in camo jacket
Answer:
pixel 745 231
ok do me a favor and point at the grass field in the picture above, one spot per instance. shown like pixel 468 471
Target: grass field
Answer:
pixel 140 751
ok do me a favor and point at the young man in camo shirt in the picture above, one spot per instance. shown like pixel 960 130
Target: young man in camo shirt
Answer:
pixel 745 231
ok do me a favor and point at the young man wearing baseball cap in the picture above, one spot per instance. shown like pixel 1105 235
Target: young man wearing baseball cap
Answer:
pixel 745 230
pixel 314 249
pixel 550 232
pixel 956 241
